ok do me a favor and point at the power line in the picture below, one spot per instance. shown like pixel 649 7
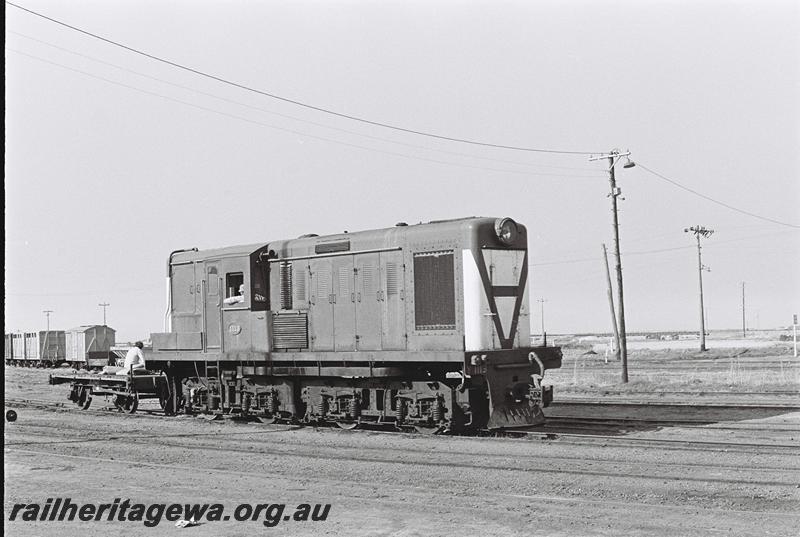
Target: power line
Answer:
pixel 293 101
pixel 284 129
pixel 656 251
pixel 709 198
pixel 287 116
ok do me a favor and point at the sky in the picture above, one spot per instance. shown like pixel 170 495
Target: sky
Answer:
pixel 114 159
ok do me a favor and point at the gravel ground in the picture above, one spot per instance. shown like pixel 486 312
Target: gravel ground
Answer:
pixel 641 483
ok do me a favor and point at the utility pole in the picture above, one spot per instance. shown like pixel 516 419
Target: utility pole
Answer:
pixel 744 321
pixel 47 334
pixel 613 158
pixel 610 294
pixel 705 233
pixel 544 334
pixel 104 305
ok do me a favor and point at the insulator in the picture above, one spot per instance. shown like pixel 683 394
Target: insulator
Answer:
pixel 437 411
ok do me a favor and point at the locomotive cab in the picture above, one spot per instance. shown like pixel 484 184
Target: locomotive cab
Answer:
pixel 218 302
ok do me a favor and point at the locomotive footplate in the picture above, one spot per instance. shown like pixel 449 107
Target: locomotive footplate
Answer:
pixel 514 384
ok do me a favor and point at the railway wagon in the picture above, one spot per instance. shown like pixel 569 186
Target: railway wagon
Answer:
pixel 89 346
pixel 45 348
pixel 417 327
pixel 8 348
pixel 16 342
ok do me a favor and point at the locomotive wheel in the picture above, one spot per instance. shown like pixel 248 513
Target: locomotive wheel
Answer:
pixel 347 425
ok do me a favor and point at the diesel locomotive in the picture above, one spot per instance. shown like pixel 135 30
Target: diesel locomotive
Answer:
pixel 421 327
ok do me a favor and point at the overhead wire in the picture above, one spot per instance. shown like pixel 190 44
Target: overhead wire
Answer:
pixel 317 124
pixel 292 131
pixel 359 119
pixel 570 261
pixel 295 101
pixel 713 200
pixel 710 244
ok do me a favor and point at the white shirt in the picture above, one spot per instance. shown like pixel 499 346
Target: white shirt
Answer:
pixel 237 299
pixel 134 359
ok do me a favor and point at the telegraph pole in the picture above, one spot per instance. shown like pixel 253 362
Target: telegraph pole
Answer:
pixel 544 334
pixel 47 334
pixel 705 233
pixel 104 305
pixel 610 293
pixel 744 321
pixel 613 158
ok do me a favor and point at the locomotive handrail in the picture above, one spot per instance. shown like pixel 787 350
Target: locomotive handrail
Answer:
pixel 532 357
pixel 169 284
pixel 337 254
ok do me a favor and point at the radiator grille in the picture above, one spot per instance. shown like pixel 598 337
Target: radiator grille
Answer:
pixel 299 281
pixel 290 331
pixel 434 291
pixel 286 285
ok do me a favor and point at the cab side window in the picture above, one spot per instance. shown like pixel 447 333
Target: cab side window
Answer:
pixel 234 284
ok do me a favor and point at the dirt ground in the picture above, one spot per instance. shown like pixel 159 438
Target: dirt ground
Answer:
pixel 737 476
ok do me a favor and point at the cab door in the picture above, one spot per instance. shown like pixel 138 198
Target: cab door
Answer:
pixel 212 312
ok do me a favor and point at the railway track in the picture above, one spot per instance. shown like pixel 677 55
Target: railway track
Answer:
pixel 557 464
pixel 475 499
pixel 795 393
pixel 559 423
pixel 595 403
pixel 626 402
pixel 716 364
pixel 616 432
